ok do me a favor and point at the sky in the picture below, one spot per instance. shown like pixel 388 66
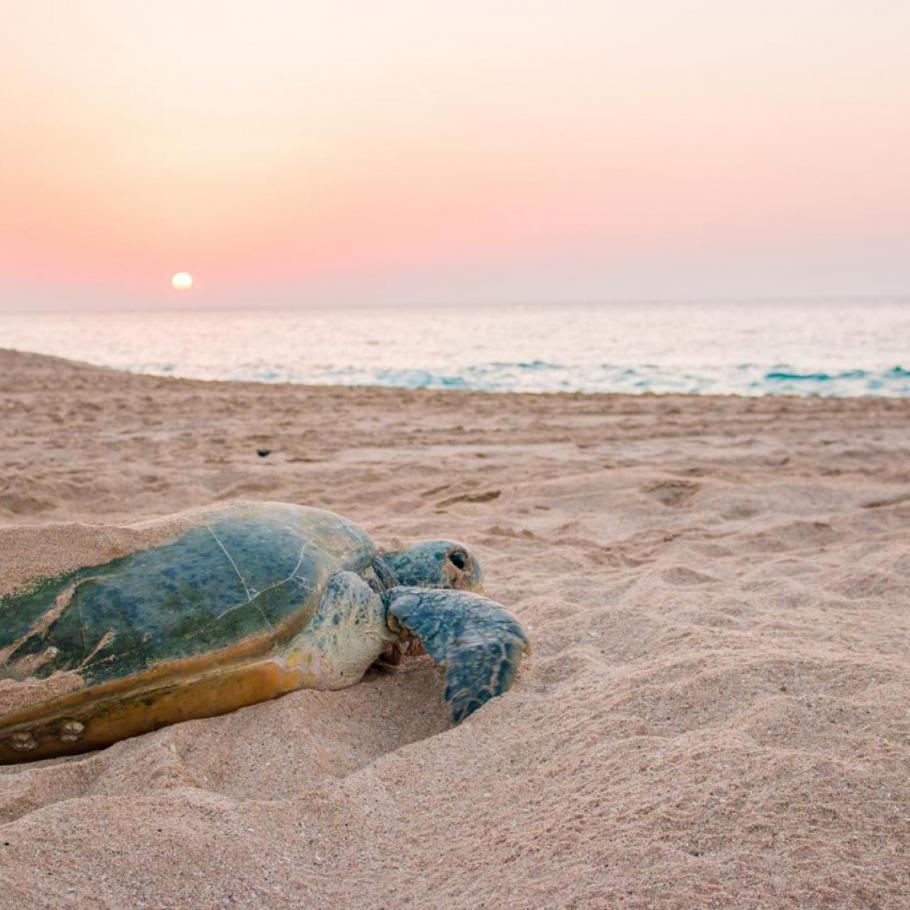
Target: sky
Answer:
pixel 294 153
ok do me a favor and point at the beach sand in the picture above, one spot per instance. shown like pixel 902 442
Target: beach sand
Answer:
pixel 715 713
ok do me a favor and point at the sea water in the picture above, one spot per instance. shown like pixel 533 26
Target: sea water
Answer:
pixel 741 347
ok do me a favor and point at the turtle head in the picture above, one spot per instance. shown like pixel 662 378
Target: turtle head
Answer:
pixel 436 564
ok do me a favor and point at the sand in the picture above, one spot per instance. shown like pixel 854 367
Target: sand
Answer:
pixel 715 713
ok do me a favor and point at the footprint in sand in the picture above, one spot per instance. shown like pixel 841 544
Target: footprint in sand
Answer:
pixel 485 496
pixel 671 492
pixel 687 578
pixel 862 584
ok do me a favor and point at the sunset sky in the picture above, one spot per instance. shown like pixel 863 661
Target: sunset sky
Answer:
pixel 308 152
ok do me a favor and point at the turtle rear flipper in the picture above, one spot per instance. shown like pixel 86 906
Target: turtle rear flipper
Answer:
pixel 478 641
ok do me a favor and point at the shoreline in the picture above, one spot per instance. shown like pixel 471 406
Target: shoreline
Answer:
pixel 6 355
pixel 713 715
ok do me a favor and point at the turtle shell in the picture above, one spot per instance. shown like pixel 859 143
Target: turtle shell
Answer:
pixel 233 584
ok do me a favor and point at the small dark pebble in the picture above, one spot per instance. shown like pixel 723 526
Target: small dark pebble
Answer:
pixel 263 452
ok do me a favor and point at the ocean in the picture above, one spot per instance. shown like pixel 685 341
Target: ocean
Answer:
pixel 814 347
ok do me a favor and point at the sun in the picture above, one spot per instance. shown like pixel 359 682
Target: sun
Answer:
pixel 182 281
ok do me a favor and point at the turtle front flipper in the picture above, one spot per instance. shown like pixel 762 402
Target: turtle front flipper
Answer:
pixel 345 637
pixel 479 642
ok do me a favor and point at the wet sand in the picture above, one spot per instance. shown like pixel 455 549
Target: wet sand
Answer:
pixel 715 713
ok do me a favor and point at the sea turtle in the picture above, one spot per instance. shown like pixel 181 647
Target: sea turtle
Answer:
pixel 209 610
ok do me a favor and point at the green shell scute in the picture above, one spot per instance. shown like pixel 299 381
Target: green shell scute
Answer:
pixel 240 573
pixel 20 613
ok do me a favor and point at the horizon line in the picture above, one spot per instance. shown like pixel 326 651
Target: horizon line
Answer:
pixel 898 297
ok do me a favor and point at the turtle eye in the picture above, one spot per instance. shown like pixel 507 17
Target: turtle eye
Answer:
pixel 457 558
